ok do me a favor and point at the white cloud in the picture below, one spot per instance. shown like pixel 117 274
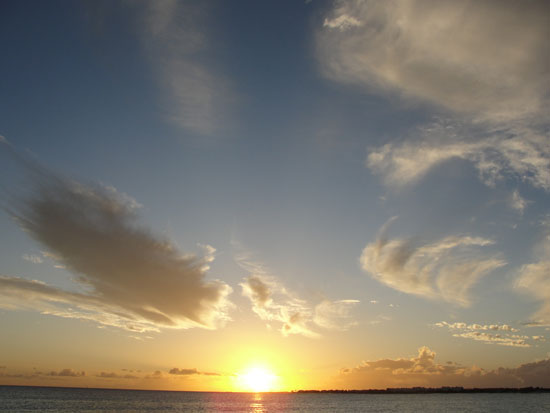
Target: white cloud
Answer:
pixel 488 59
pixel 517 202
pixel 517 152
pixel 342 22
pixel 335 314
pixel 500 334
pixel 446 269
pixel 500 339
pixel 35 259
pixel 534 278
pixel 475 326
pixel 273 302
pixel 484 63
pixel 131 278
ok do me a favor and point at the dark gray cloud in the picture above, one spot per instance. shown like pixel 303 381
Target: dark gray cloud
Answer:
pixel 190 372
pixel 113 375
pixel 126 275
pixel 67 373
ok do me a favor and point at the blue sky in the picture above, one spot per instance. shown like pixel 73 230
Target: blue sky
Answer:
pixel 366 177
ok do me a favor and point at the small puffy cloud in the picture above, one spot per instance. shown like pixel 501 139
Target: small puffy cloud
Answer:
pixel 190 372
pixel 512 340
pixel 273 302
pixel 342 22
pixel 128 276
pixel 488 59
pixel 500 334
pixel 183 372
pixel 446 269
pixel 534 278
pixel 35 259
pixel 517 202
pixel 113 375
pixel 423 370
pixel 475 326
pixel 67 373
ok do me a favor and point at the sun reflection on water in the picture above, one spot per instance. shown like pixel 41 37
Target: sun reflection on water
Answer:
pixel 257 405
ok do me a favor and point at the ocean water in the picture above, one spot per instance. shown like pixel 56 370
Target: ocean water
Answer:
pixel 43 399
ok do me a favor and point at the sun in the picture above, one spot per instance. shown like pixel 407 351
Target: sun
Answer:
pixel 257 379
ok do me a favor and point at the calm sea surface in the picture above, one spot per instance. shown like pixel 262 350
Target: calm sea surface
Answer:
pixel 32 399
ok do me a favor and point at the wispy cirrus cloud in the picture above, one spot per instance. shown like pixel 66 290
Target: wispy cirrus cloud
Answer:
pixel 126 276
pixel 423 370
pixel 273 302
pixel 534 278
pixel 446 269
pixel 509 152
pixel 176 41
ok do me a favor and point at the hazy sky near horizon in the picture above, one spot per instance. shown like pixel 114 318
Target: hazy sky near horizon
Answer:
pixel 350 194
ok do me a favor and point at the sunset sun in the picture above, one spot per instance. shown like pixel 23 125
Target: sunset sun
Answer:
pixel 257 379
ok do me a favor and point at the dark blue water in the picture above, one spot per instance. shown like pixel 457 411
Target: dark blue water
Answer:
pixel 33 399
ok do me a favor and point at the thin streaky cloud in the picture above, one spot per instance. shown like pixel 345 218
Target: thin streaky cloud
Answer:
pixel 174 36
pixel 446 269
pixel 534 278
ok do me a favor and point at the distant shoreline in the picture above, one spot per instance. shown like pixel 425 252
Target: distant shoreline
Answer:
pixel 431 390
pixel 403 390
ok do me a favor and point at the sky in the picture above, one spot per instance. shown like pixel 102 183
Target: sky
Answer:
pixel 302 194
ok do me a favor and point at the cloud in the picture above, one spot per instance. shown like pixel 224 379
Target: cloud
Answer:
pixel 423 370
pixel 342 22
pixel 500 334
pixel 509 152
pixel 190 372
pixel 126 276
pixel 475 326
pixel 67 373
pixel 446 269
pixel 273 302
pixel 35 259
pixel 517 202
pixel 112 375
pixel 174 37
pixel 487 59
pixel 484 65
pixel 335 314
pixel 534 278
